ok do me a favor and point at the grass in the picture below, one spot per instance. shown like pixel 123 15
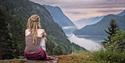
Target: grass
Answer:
pixel 83 57
pixel 110 56
pixel 94 57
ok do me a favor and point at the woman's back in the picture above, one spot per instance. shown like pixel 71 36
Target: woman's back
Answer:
pixel 35 38
pixel 29 41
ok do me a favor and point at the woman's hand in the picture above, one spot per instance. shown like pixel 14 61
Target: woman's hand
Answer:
pixel 44 34
pixel 45 39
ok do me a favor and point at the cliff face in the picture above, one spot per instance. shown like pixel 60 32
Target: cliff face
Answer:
pixel 61 19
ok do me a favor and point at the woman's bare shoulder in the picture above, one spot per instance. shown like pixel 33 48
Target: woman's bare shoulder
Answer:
pixel 27 32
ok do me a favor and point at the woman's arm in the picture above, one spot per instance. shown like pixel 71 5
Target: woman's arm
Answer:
pixel 45 35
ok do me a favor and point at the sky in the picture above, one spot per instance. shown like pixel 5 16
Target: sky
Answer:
pixel 83 9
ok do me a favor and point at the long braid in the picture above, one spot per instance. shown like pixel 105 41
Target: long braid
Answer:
pixel 33 25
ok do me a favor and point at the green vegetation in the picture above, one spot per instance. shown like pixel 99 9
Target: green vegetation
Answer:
pixel 76 48
pixel 114 46
pixel 82 57
pixel 110 56
pixel 86 57
pixel 6 39
pixel 111 31
pixel 9 43
pixel 116 37
pixel 94 57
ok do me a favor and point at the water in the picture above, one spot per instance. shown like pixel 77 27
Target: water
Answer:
pixel 88 44
pixel 95 38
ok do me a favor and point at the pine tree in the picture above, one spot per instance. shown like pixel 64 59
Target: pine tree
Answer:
pixel 119 41
pixel 6 49
pixel 50 45
pixel 111 31
pixel 58 50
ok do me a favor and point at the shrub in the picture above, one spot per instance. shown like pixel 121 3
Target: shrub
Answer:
pixel 110 56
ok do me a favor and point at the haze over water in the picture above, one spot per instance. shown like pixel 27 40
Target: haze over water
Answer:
pixel 89 45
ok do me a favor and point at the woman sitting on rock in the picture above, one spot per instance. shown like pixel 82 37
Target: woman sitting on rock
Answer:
pixel 35 38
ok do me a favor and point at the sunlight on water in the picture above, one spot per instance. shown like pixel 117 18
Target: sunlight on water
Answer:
pixel 86 43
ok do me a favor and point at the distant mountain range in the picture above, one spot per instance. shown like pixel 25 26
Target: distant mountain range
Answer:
pixel 122 13
pixel 102 24
pixel 83 22
pixel 62 20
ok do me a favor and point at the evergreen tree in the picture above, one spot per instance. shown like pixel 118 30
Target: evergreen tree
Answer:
pixel 6 47
pixel 118 41
pixel 111 31
pixel 58 50
pixel 50 45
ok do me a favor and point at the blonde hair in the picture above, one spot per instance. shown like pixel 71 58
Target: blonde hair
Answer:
pixel 33 24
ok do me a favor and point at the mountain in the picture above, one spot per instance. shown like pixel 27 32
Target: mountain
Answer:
pixel 100 27
pixel 21 10
pixel 122 13
pixel 62 20
pixel 83 22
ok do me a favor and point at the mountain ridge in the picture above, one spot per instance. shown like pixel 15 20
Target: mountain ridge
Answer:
pixel 100 27
pixel 61 19
pixel 83 22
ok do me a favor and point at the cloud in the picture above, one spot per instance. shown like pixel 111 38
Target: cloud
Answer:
pixel 76 5
pixel 109 10
pixel 83 3
pixel 76 14
pixel 77 9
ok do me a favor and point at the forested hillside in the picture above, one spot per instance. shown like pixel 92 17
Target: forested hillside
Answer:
pixel 13 18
